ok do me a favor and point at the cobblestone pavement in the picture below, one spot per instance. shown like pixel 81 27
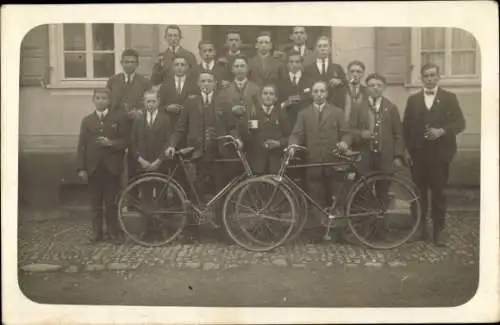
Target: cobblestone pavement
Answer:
pixel 63 244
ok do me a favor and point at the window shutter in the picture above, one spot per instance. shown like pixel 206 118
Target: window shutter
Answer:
pixel 35 69
pixel 144 39
pixel 392 55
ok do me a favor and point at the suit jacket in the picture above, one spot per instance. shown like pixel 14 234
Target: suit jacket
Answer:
pixel 159 72
pixel 90 153
pixel 336 95
pixel 353 101
pixel 390 132
pixel 231 95
pixel 445 113
pixel 286 89
pixel 274 126
pixel 130 95
pixel 320 137
pixel 199 123
pixel 168 93
pixel 150 142
pixel 264 70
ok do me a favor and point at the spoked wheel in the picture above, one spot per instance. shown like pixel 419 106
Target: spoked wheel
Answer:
pixel 152 210
pixel 302 210
pixel 259 214
pixel 383 211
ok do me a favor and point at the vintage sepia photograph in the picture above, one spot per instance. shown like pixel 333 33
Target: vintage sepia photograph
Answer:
pixel 252 165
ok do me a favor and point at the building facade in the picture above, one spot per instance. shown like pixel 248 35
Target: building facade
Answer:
pixel 62 63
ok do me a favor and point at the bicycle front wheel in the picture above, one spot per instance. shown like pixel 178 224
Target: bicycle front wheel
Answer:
pixel 152 210
pixel 383 211
pixel 259 214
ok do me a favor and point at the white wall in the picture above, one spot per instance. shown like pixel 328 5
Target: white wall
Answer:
pixel 354 43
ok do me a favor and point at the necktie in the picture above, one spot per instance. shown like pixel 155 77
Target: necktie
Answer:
pixel 129 79
pixel 323 67
pixel 429 92
pixel 294 79
pixel 207 100
pixel 150 118
pixel 100 116
pixel 320 115
pixel 178 86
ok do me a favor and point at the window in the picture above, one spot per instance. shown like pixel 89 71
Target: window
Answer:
pixel 454 50
pixel 85 54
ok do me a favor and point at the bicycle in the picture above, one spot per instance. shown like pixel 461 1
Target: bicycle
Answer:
pixel 367 209
pixel 153 208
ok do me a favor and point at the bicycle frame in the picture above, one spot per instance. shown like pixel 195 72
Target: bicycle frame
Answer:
pixel 213 201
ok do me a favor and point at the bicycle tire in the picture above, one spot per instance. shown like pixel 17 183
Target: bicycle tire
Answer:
pixel 239 234
pixel 177 195
pixel 370 180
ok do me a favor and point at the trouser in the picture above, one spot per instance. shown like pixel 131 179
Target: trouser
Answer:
pixel 322 183
pixel 205 177
pixel 372 162
pixel 104 187
pixel 428 175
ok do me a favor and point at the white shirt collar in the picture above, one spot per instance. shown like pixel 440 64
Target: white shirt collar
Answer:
pixel 102 114
pixel 377 103
pixel 435 89
pixel 267 110
pixel 300 48
pixel 297 74
pixel 319 107
pixel 132 75
pixel 210 95
pixel 240 82
pixel 235 53
pixel 210 65
pixel 174 49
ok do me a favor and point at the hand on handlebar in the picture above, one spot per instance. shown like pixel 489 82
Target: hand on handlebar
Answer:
pixel 169 153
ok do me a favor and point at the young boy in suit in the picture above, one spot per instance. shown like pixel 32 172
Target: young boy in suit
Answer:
pixel 101 145
pixel 265 130
pixel 165 60
pixel 150 136
pixel 127 89
pixel 321 127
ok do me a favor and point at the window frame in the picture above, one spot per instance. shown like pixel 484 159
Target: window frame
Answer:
pixel 56 55
pixel 447 78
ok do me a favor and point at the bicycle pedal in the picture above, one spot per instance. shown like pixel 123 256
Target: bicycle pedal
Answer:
pixel 327 237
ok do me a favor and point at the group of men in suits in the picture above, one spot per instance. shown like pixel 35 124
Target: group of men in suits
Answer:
pixel 267 102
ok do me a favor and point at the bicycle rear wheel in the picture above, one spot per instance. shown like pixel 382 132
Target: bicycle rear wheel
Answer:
pixel 152 210
pixel 259 214
pixel 383 211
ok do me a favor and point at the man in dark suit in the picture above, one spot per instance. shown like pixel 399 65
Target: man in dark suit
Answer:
pixel 299 39
pixel 208 63
pixel 149 140
pixel 325 70
pixel 233 45
pixel 294 88
pixel 164 64
pixel 355 91
pixel 201 122
pixel 176 88
pixel 263 68
pixel 265 130
pixel 431 121
pixel 100 150
pixel 321 127
pixel 127 89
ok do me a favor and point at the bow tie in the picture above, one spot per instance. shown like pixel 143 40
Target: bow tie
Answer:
pixel 430 92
